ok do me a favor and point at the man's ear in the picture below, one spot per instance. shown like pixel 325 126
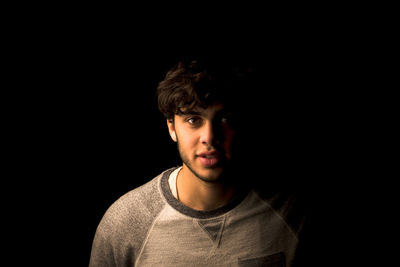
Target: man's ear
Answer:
pixel 171 129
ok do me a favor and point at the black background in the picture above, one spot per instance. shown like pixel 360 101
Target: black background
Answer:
pixel 85 128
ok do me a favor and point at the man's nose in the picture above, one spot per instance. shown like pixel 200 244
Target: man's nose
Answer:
pixel 207 134
pixel 210 134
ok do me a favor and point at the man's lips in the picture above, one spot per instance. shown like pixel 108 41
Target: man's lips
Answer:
pixel 209 159
pixel 209 154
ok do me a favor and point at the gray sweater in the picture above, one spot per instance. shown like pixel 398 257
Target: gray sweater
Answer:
pixel 148 226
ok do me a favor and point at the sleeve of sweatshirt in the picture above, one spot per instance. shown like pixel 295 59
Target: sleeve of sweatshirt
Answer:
pixel 125 225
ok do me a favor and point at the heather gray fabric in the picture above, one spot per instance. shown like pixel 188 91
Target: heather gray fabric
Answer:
pixel 148 226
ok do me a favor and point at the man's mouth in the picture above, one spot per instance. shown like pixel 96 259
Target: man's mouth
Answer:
pixel 209 159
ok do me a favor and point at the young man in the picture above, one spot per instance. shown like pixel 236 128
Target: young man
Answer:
pixel 203 213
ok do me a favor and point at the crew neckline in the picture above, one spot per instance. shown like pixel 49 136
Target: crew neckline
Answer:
pixel 177 205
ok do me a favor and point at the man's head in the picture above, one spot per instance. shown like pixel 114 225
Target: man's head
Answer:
pixel 200 101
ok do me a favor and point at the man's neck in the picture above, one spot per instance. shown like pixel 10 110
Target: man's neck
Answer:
pixel 202 195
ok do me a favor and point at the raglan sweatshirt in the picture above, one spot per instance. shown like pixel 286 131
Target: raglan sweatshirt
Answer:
pixel 149 226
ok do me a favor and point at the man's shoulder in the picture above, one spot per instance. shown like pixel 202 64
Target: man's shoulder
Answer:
pixel 136 206
pixel 290 206
pixel 125 224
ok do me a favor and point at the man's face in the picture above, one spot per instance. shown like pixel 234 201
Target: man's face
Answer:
pixel 205 140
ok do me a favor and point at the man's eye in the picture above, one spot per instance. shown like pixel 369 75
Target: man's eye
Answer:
pixel 194 120
pixel 227 120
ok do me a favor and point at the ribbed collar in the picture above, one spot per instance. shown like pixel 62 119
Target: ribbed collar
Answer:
pixel 177 205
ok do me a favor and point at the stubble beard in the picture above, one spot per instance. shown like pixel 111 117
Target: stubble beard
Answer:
pixel 187 162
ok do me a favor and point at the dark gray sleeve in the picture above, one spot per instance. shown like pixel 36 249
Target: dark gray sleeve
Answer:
pixel 290 207
pixel 123 228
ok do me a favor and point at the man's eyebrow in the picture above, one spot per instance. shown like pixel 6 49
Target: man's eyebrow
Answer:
pixel 190 112
pixel 198 113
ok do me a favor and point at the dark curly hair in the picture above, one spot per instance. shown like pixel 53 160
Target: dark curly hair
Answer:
pixel 200 82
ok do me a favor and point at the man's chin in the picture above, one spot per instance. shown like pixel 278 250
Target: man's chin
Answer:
pixel 211 175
